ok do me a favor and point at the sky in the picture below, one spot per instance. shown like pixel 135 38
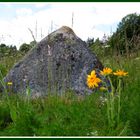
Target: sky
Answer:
pixel 90 20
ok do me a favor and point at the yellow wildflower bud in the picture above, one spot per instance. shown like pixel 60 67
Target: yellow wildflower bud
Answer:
pixel 9 83
pixel 103 88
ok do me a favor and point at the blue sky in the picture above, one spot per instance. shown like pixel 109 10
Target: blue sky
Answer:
pixel 90 19
pixel 8 11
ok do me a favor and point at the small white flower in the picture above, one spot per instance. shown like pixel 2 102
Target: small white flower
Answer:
pixel 94 133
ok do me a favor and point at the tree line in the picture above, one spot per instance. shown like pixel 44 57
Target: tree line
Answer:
pixel 11 50
pixel 125 41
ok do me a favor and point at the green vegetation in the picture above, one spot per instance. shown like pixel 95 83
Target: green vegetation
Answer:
pixel 69 114
pixel 127 35
pixel 9 55
pixel 125 41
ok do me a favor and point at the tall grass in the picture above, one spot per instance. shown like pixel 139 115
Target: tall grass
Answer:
pixel 130 94
pixel 72 115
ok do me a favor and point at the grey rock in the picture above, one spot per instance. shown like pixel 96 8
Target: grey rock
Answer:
pixel 59 62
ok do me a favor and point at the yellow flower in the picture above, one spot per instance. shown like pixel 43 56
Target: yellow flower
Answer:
pixel 9 83
pixel 103 88
pixel 120 73
pixel 106 71
pixel 93 80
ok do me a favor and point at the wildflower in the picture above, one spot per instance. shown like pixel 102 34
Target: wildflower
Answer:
pixel 9 83
pixel 106 71
pixel 94 133
pixel 93 80
pixel 103 88
pixel 103 100
pixel 120 73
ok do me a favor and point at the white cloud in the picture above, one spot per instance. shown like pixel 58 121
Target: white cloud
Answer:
pixel 87 16
pixel 23 12
pixel 8 5
pixel 41 5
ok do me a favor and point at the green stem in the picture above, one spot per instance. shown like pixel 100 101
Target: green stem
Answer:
pixel 112 108
pixel 108 109
pixel 49 75
pixel 2 82
pixel 111 102
pixel 108 105
pixel 5 89
pixel 119 101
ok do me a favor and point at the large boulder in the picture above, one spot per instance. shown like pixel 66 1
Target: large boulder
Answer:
pixel 59 62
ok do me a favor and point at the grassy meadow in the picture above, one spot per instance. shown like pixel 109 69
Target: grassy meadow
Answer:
pixel 72 115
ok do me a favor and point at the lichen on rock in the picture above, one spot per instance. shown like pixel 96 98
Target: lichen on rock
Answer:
pixel 59 62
